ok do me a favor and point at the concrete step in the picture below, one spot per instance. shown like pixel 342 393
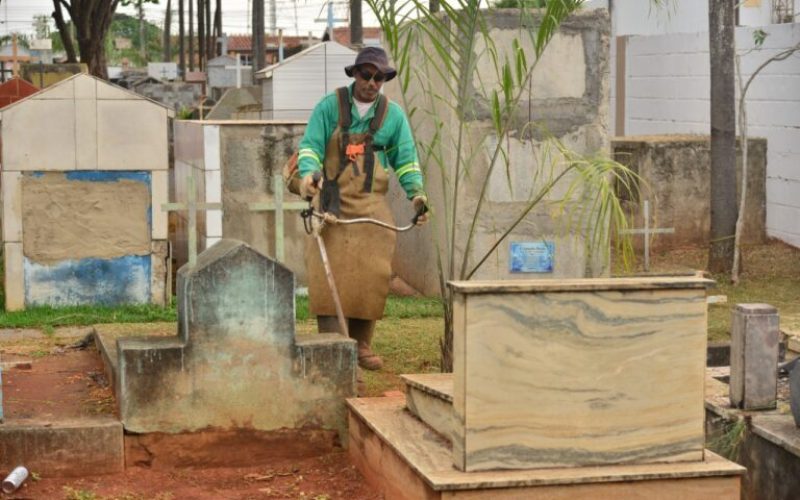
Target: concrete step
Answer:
pixel 75 447
pixel 404 459
pixel 429 397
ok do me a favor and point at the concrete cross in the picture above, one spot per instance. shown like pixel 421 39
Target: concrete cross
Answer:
pixel 647 231
pixel 239 68
pixel 278 206
pixel 192 207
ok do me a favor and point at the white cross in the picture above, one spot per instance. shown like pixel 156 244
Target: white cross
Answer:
pixel 239 68
pixel 647 231
pixel 192 207
pixel 278 206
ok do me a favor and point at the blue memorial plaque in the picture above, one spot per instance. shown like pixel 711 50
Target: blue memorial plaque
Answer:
pixel 531 257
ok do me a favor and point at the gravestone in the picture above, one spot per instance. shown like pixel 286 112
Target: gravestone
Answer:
pixel 754 357
pixel 235 361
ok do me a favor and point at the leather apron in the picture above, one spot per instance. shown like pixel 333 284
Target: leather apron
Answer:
pixel 360 255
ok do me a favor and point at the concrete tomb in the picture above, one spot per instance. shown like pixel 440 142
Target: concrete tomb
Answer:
pixel 593 386
pixel 83 164
pixel 754 357
pixel 235 361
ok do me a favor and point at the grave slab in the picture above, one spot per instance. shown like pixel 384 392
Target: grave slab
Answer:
pixel 235 361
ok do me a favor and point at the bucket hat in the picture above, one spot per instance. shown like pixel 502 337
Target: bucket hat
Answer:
pixel 375 56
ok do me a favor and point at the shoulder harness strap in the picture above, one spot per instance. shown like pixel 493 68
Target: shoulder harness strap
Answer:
pixel 344 127
pixel 374 125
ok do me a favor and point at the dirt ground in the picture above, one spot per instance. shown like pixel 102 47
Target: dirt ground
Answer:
pixel 52 378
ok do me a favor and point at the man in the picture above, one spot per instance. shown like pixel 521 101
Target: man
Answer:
pixel 353 150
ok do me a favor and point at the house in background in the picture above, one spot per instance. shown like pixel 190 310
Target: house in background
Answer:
pixel 290 89
pixel 371 35
pixel 243 45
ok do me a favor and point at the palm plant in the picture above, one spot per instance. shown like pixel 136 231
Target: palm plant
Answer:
pixel 449 98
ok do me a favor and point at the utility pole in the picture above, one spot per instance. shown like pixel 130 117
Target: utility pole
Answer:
pixel 218 26
pixel 209 36
pixel 258 37
pixel 330 20
pixel 181 47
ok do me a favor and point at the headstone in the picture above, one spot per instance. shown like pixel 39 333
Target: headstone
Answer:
pixel 754 357
pixel 235 361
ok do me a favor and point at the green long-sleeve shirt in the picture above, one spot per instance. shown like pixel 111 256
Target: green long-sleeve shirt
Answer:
pixel 395 135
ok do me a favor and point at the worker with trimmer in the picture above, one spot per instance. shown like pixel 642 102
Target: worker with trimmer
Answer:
pixel 354 136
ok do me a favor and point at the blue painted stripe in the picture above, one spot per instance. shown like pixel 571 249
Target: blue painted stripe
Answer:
pixel 108 176
pixel 122 280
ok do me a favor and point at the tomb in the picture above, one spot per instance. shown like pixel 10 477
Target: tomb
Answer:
pixel 235 361
pixel 79 225
pixel 588 386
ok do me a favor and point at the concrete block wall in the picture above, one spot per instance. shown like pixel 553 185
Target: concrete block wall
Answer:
pixel 569 96
pixel 667 92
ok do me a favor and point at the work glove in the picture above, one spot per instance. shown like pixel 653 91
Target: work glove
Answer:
pixel 309 186
pixel 420 203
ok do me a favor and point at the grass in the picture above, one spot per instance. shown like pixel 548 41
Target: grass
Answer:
pixel 771 274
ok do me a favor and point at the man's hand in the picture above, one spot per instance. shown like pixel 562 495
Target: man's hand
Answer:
pixel 420 203
pixel 309 186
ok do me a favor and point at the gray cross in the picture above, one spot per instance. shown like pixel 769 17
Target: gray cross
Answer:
pixel 192 207
pixel 278 206
pixel 647 231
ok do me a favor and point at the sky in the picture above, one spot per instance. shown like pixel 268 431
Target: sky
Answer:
pixel 17 15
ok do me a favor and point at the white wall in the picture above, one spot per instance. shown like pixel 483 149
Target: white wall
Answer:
pixel 667 91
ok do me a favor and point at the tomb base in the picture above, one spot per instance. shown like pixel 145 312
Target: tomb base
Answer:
pixel 406 459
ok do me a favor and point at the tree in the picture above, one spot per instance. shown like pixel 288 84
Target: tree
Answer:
pixel 168 32
pixel 723 135
pixel 92 20
pixel 442 90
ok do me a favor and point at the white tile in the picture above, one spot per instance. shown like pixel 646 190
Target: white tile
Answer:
pixel 14 277
pixel 107 90
pixel 159 191
pixel 214 224
pixel 85 87
pixel 213 184
pixel 131 135
pixel 62 90
pixel 86 134
pixel 212 147
pixel 12 207
pixel 39 135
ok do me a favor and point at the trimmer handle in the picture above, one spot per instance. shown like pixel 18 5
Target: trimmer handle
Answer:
pixel 316 177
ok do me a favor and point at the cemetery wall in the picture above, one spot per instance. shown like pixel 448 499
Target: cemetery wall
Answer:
pixel 569 96
pixel 667 92
pixel 676 173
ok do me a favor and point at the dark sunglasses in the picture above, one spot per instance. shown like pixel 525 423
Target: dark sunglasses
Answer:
pixel 366 75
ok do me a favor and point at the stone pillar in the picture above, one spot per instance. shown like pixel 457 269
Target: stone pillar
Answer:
pixel 754 357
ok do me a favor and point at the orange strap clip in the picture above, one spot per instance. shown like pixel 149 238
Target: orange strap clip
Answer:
pixel 353 150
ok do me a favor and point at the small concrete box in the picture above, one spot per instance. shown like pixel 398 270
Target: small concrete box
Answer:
pixel 567 373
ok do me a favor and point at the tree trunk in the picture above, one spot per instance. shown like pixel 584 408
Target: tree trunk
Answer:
pixel 201 35
pixel 168 32
pixel 181 44
pixel 209 36
pixel 191 34
pixel 63 30
pixel 356 29
pixel 142 32
pixel 92 50
pixel 258 36
pixel 723 135
pixel 218 28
